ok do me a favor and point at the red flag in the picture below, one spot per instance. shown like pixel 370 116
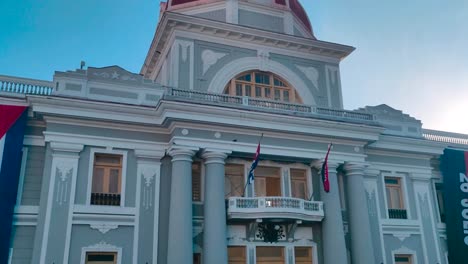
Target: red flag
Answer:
pixel 325 179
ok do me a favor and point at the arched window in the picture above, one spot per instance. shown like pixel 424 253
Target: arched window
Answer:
pixel 262 85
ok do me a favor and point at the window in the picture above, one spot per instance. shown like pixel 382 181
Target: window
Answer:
pixel 101 258
pixel 396 207
pixel 237 255
pixel 107 179
pixel 234 180
pixel 440 200
pixel 299 184
pixel 303 255
pixel 196 182
pixel 270 255
pixel 267 182
pixel 262 85
pixel 403 259
pixel 196 258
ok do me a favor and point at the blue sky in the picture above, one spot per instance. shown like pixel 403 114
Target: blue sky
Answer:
pixel 411 55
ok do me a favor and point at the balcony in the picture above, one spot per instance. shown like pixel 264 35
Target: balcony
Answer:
pixel 397 214
pixel 274 208
pixel 111 199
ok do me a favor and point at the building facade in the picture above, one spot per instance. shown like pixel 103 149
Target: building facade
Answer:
pixel 119 167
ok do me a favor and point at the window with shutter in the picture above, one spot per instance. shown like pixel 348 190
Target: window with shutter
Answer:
pixel 234 180
pixel 303 255
pixel 237 255
pixel 101 258
pixel 299 184
pixel 107 179
pixel 270 255
pixel 403 259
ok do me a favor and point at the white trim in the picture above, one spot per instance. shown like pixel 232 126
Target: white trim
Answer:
pixel 93 151
pixel 24 159
pixel 101 247
pixel 10 255
pixel 373 183
pixel 406 251
pixel 34 141
pixel 434 190
pixel 233 68
pixel 157 188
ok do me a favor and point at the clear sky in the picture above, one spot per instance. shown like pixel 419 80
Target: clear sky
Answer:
pixel 411 55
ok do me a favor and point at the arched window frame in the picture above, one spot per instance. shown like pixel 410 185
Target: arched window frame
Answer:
pixel 264 85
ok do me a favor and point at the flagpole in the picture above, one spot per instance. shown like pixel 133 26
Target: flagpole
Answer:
pixel 248 178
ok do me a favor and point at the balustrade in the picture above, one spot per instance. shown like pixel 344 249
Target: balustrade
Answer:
pixel 275 207
pixel 445 137
pixel 25 86
pixel 105 199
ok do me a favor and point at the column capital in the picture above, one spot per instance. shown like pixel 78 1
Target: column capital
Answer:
pixel 215 156
pixel 355 168
pixel 181 153
pixel 144 154
pixel 332 164
pixel 372 172
pixel 71 148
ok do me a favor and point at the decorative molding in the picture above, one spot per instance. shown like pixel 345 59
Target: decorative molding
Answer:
pixel 103 227
pixel 311 73
pixel 103 244
pixel 210 58
pixel 401 236
pixel 184 45
pixel 264 59
pixel 64 171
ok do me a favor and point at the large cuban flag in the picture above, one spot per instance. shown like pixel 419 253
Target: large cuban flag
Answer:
pixel 12 124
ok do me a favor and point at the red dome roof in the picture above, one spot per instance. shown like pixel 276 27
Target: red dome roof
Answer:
pixel 295 6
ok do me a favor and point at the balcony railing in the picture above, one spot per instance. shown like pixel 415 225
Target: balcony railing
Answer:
pixel 274 207
pixel 397 214
pixel 445 137
pixel 25 86
pixel 272 105
pixel 105 199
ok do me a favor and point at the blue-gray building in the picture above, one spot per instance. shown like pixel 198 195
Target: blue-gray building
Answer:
pixel 120 167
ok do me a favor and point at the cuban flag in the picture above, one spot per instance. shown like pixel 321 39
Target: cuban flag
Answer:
pixel 325 179
pixel 12 124
pixel 254 164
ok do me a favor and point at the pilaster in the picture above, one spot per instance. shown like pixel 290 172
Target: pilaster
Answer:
pixel 214 234
pixel 55 246
pixel 148 186
pixel 362 250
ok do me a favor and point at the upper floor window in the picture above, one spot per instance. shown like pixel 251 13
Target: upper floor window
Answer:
pixel 299 184
pixel 262 85
pixel 107 179
pixel 440 200
pixel 267 181
pixel 395 204
pixel 101 258
pixel 270 255
pixel 234 180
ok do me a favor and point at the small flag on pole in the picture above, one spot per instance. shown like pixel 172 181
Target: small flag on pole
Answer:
pixel 325 179
pixel 254 163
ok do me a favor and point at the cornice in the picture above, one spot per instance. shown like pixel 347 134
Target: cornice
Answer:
pixel 176 21
pixel 170 111
pixel 405 144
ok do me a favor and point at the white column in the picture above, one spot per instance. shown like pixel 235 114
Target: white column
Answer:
pixel 334 246
pixel 180 245
pixel 362 248
pixel 214 233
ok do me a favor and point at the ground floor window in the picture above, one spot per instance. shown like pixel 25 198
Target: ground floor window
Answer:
pixel 197 258
pixel 303 255
pixel 403 259
pixel 237 255
pixel 270 255
pixel 101 258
